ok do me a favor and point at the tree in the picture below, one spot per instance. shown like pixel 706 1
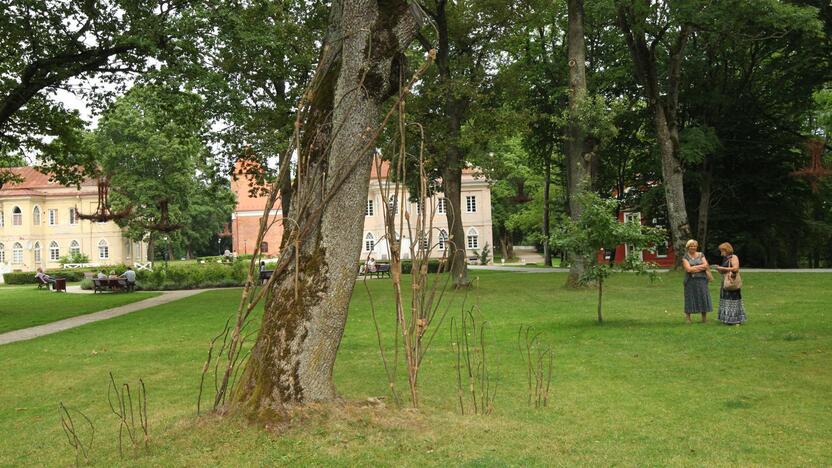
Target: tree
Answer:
pixel 580 146
pixel 639 22
pixel 466 37
pixel 46 43
pixel 360 67
pixel 597 227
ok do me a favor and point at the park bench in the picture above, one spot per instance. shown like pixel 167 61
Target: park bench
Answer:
pixel 265 275
pixel 380 270
pixel 106 284
pixel 41 283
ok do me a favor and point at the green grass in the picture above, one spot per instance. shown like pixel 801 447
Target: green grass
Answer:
pixel 26 306
pixel 643 389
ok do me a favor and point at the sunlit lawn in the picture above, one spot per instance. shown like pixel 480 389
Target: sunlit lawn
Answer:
pixel 26 306
pixel 643 389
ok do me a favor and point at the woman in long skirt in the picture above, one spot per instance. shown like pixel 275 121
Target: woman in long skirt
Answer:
pixel 697 297
pixel 731 310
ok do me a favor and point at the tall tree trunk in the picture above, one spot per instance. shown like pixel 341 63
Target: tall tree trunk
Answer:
pixel 151 246
pixel 454 110
pixel 305 313
pixel 578 147
pixel 704 206
pixel 547 182
pixel 664 110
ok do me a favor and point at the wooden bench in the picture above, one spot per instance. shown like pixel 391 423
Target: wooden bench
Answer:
pixel 265 275
pixel 41 283
pixel 106 284
pixel 380 270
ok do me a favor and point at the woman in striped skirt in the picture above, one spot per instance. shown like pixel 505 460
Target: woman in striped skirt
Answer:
pixel 731 309
pixel 697 297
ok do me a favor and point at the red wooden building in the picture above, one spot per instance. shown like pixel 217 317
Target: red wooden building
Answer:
pixel 662 255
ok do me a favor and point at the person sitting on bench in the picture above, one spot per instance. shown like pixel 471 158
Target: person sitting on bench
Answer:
pixel 130 276
pixel 44 278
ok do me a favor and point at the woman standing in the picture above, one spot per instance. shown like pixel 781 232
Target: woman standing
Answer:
pixel 697 297
pixel 731 310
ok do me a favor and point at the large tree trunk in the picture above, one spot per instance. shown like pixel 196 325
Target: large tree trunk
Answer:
pixel 673 182
pixel 664 111
pixel 454 110
pixel 306 310
pixel 578 147
pixel 704 206
pixel 547 182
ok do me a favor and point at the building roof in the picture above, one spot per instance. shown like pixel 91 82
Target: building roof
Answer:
pixel 36 183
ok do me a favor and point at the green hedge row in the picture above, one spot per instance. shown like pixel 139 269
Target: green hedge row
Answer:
pixel 28 277
pixel 206 275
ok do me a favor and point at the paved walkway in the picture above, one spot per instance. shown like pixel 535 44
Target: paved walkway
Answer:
pixel 72 322
pixel 523 269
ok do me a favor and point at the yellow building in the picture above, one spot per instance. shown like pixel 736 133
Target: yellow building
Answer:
pixel 39 224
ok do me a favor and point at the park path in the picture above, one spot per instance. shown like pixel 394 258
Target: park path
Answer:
pixel 522 269
pixel 72 322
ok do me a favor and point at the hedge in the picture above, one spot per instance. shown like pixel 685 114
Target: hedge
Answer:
pixel 206 275
pixel 28 277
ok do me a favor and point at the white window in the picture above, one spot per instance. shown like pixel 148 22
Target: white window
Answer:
pixel 661 249
pixel 53 217
pixel 73 216
pixel 471 204
pixel 443 239
pixel 2 219
pixel 74 247
pixel 54 251
pixel 2 253
pixel 473 239
pixel 36 251
pixel 393 204
pixel 128 248
pixel 17 216
pixel 368 211
pixel 425 242
pixel 36 216
pixel 369 242
pixel 103 250
pixel 17 253
pixel 442 206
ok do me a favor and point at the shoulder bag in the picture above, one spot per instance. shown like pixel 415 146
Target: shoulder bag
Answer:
pixel 732 281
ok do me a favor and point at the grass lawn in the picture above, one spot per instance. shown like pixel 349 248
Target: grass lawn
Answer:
pixel 643 389
pixel 26 306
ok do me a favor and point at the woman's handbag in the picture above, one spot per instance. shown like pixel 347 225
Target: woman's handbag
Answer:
pixel 732 281
pixel 709 275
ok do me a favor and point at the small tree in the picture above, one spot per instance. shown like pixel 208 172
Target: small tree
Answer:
pixel 596 227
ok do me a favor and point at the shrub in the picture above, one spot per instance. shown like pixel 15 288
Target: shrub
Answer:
pixel 86 284
pixel 193 276
pixel 19 278
pixel 74 257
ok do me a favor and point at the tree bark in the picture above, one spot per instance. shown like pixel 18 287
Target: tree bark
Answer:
pixel 306 309
pixel 664 110
pixel 547 182
pixel 579 147
pixel 151 246
pixel 704 206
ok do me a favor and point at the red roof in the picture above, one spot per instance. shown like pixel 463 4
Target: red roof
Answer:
pixel 33 182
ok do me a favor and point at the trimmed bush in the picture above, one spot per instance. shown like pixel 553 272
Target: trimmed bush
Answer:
pixel 433 266
pixel 86 284
pixel 19 278
pixel 193 276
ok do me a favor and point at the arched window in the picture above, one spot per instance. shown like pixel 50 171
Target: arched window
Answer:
pixel 36 216
pixel 473 239
pixel 17 216
pixel 17 253
pixel 2 253
pixel 443 239
pixel 103 250
pixel 54 251
pixel 74 247
pixel 369 242
pixel 36 250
